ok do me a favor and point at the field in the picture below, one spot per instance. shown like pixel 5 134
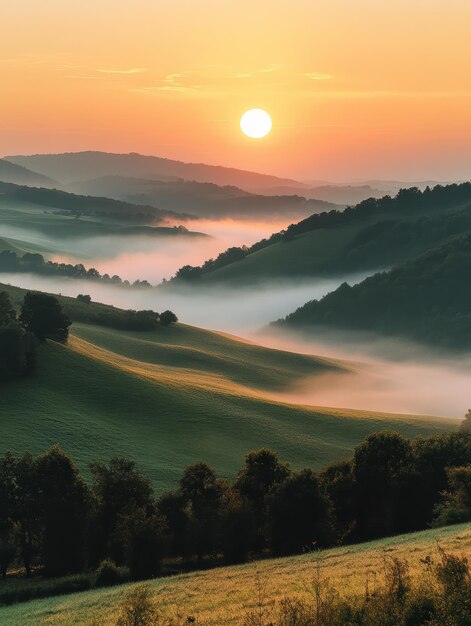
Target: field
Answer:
pixel 178 395
pixel 222 596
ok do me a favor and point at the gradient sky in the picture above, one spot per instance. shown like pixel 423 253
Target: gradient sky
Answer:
pixel 356 88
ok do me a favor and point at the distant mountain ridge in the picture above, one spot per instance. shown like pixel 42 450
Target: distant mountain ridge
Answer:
pixel 77 166
pixel 86 205
pixel 17 174
pixel 202 199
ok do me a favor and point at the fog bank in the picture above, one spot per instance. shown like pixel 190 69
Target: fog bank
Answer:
pixel 387 375
pixel 235 310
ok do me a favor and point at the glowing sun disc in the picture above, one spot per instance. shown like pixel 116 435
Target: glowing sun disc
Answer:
pixel 255 123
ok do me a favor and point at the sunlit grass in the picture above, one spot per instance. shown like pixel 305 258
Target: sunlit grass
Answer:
pixel 222 596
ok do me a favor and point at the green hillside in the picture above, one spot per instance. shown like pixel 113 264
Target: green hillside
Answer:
pixel 224 595
pixel 374 234
pixel 427 299
pixel 177 395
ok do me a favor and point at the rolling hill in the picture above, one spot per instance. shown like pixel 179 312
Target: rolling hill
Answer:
pixel 178 395
pixel 224 595
pixel 372 235
pixel 77 166
pixel 13 173
pixel 426 299
pixel 202 199
pixel 77 205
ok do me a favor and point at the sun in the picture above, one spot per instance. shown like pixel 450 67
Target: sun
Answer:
pixel 255 123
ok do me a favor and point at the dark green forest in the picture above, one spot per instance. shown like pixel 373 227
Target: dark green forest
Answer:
pixel 427 299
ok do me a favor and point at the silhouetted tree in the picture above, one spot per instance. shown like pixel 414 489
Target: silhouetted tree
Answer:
pixel 167 318
pixel 456 503
pixel 27 510
pixel 172 507
pixel 7 312
pixel 65 504
pixel 42 315
pixel 202 493
pixel 119 489
pixel 237 528
pixel 466 423
pixel 7 512
pixel 85 298
pixel 261 472
pixel 142 534
pixel 380 466
pixel 299 515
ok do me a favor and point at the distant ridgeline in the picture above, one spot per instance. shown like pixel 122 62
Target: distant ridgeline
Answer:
pixel 381 232
pixel 36 264
pixel 85 205
pixel 427 299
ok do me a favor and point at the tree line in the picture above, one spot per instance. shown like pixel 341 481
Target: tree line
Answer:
pixel 35 263
pixel 54 520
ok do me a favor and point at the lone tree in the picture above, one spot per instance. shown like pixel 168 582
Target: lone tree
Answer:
pixel 84 297
pixel 167 318
pixel 466 423
pixel 43 316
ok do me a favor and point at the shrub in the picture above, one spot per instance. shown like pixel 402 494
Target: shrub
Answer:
pixel 167 318
pixel 108 573
pixel 138 608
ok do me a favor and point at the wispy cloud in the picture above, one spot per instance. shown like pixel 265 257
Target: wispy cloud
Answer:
pixel 318 76
pixel 131 70
pixel 274 67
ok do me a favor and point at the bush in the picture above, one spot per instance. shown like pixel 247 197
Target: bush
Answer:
pixel 84 298
pixel 167 318
pixel 138 608
pixel 108 573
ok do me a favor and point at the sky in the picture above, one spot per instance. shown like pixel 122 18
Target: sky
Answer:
pixel 356 89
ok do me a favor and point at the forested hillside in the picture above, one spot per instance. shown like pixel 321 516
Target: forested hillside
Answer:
pixel 372 235
pixel 427 299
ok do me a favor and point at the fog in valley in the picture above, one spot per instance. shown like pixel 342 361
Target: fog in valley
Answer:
pixel 235 310
pixel 150 257
pixel 388 376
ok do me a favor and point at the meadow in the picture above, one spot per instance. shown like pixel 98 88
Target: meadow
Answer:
pixel 223 596
pixel 178 395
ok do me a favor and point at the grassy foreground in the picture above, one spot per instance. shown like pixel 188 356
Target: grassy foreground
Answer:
pixel 223 596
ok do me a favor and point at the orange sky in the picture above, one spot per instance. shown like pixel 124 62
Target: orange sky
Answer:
pixel 356 88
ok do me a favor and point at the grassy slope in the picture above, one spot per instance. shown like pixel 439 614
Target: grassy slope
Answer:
pixel 305 255
pixel 192 396
pixel 177 395
pixel 221 596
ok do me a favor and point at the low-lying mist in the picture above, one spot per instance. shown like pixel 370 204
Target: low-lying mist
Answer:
pixel 387 375
pixel 231 309
pixel 149 257
pixel 383 375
